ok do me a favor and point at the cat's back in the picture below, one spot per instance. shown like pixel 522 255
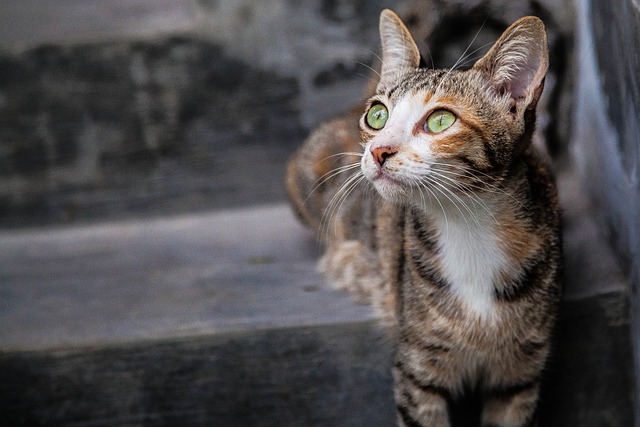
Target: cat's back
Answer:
pixel 313 172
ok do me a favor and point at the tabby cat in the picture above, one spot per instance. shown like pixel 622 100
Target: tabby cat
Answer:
pixel 434 206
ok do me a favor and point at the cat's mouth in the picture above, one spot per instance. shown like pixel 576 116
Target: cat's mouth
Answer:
pixel 378 175
pixel 387 181
pixel 387 185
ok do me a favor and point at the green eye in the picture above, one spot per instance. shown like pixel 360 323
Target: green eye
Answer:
pixel 439 121
pixel 377 116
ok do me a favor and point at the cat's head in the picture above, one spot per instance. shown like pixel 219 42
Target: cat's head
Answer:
pixel 438 133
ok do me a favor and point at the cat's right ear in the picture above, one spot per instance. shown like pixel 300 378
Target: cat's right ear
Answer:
pixel 400 55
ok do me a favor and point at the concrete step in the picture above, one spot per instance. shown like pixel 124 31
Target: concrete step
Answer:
pixel 232 270
pixel 213 319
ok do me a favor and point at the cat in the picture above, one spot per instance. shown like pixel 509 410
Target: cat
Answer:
pixel 433 205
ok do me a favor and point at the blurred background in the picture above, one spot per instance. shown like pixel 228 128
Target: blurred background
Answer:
pixel 114 109
pixel 150 270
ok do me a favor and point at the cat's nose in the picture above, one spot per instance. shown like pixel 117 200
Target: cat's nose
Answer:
pixel 381 154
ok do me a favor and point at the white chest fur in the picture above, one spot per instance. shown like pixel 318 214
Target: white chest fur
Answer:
pixel 471 259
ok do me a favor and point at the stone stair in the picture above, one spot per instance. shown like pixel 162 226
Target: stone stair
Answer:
pixel 211 319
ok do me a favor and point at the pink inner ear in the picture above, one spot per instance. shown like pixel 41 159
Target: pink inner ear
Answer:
pixel 522 82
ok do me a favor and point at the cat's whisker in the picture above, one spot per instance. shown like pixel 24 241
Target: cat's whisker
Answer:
pixel 337 200
pixel 368 77
pixel 437 187
pixel 485 180
pixel 466 58
pixel 343 154
pixel 433 64
pixel 337 197
pixel 328 176
pixel 425 186
pixel 357 179
pixel 461 186
pixel 374 53
pixel 470 195
pixel 369 67
pixel 478 201
pixel 334 172
pixel 472 214
pixel 455 200
pixel 464 188
pixel 466 172
pixel 337 171
pixel 462 58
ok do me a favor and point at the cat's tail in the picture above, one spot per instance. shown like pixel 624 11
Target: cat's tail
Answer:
pixel 321 166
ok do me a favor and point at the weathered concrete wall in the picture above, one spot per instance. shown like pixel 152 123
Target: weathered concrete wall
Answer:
pixel 134 128
pixel 204 118
pixel 607 132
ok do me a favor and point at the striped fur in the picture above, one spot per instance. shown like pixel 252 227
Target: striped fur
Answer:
pixel 454 236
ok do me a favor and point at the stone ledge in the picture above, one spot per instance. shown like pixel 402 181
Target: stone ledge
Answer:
pixel 190 275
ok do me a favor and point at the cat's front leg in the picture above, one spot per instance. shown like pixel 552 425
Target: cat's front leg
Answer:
pixel 418 402
pixel 511 407
pixel 431 411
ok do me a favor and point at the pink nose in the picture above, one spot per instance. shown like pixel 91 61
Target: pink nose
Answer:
pixel 381 154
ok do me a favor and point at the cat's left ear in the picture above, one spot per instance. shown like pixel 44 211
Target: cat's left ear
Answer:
pixel 517 63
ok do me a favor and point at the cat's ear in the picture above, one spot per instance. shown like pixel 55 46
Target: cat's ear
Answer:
pixel 400 54
pixel 517 63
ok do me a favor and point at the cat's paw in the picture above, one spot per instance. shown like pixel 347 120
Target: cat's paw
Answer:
pixel 348 266
pixel 353 267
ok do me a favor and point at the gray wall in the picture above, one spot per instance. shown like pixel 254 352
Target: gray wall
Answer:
pixel 606 145
pixel 112 109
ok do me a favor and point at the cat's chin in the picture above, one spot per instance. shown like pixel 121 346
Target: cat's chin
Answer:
pixel 389 188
